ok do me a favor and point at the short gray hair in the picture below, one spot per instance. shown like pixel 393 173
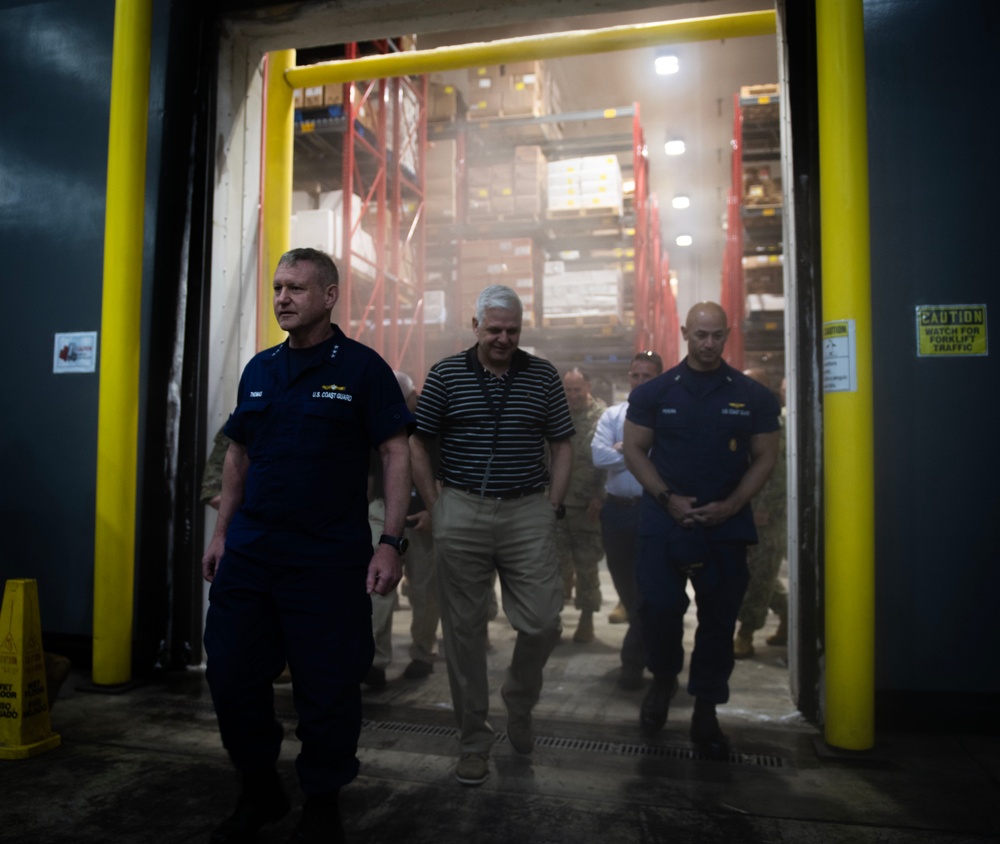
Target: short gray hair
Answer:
pixel 500 297
pixel 326 270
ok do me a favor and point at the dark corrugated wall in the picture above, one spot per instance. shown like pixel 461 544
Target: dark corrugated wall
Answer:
pixel 933 129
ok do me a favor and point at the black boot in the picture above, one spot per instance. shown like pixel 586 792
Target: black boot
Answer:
pixel 262 800
pixel 706 734
pixel 320 822
pixel 656 704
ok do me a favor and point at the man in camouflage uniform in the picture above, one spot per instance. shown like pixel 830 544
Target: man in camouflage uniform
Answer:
pixel 578 536
pixel 765 589
pixel 211 476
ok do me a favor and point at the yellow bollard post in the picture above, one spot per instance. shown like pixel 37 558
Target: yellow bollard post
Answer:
pixel 25 729
pixel 848 438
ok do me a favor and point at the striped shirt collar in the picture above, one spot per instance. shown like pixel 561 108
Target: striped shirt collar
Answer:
pixel 520 360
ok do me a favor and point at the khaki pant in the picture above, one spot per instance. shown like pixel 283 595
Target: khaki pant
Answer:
pixel 382 605
pixel 418 563
pixel 422 593
pixel 473 537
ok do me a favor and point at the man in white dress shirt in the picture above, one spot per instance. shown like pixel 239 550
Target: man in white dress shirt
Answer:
pixel 620 514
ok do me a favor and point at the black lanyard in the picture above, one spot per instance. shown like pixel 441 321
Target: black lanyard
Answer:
pixel 495 412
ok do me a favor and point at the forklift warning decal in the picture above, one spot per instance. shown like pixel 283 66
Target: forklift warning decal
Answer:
pixel 951 331
pixel 840 355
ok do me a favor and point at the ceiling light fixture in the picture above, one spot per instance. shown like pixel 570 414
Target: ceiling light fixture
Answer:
pixel 684 240
pixel 681 201
pixel 674 147
pixel 666 64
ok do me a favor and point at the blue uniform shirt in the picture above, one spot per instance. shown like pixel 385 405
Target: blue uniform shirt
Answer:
pixel 309 419
pixel 702 423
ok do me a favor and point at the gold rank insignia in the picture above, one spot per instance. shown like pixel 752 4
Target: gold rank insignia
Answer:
pixel 732 445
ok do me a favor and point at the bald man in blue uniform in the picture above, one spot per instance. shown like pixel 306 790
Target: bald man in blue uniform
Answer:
pixel 291 561
pixel 702 439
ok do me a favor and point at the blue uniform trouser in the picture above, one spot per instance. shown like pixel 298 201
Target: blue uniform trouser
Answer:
pixel 718 589
pixel 319 620
pixel 619 525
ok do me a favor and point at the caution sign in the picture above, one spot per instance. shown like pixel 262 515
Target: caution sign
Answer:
pixel 840 357
pixel 951 331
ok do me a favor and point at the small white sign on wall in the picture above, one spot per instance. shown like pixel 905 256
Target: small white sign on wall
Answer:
pixel 75 351
pixel 840 355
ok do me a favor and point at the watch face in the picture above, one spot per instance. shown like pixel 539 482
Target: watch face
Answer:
pixel 400 543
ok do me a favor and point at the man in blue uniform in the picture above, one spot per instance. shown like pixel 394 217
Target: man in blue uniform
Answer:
pixel 291 562
pixel 701 439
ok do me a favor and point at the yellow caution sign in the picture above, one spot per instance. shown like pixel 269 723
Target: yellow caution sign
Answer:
pixel 25 729
pixel 951 331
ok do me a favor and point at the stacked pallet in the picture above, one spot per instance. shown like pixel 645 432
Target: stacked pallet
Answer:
pixel 589 184
pixel 513 262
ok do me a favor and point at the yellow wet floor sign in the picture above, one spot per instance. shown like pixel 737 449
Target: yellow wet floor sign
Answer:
pixel 25 729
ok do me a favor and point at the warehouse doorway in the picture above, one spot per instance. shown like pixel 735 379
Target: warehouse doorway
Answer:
pixel 241 86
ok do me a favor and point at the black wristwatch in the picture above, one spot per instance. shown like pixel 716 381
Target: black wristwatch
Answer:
pixel 400 543
pixel 664 498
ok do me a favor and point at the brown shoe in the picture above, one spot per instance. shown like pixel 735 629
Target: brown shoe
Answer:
pixel 472 768
pixel 780 637
pixel 585 629
pixel 743 644
pixel 619 615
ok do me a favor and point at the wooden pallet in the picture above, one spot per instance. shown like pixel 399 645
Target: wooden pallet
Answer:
pixel 768 90
pixel 502 218
pixel 597 211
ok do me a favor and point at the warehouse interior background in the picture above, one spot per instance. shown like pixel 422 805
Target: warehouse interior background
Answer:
pixel 695 104
pixel 932 423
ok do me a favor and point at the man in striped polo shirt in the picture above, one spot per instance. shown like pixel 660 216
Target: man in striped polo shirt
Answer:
pixel 494 506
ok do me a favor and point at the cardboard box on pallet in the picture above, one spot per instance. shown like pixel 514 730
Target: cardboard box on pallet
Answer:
pixel 483 105
pixel 478 175
pixel 502 207
pixel 442 102
pixel 582 293
pixel 522 101
pixel 478 204
pixel 532 206
pixel 502 179
pixel 312 97
pixel 514 262
pixel 485 77
pixel 333 94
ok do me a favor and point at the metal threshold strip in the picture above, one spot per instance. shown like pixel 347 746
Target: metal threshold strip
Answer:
pixel 607 748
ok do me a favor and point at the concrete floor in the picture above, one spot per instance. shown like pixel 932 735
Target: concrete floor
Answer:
pixel 147 766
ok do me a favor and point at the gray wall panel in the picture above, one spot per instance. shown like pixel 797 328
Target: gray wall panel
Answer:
pixel 55 59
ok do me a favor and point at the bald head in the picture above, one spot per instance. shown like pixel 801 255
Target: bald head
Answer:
pixel 576 383
pixel 706 332
pixel 709 309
